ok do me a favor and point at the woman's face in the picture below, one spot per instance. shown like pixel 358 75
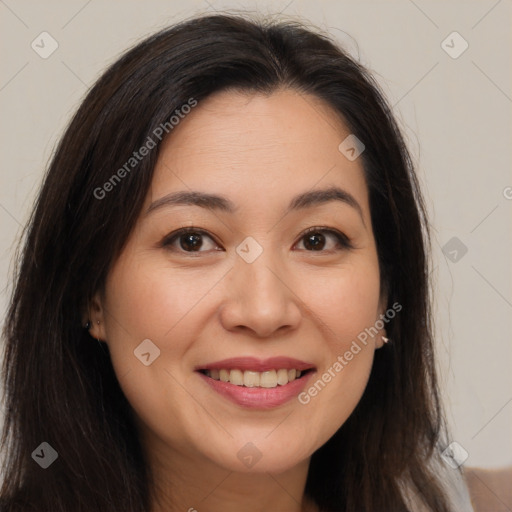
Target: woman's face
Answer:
pixel 250 285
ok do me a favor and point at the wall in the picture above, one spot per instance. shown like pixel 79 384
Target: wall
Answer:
pixel 455 110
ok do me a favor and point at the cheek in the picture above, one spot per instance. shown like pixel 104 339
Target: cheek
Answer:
pixel 147 301
pixel 344 305
pixel 345 302
pixel 148 298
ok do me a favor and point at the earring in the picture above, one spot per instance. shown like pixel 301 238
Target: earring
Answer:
pixel 88 325
pixel 385 340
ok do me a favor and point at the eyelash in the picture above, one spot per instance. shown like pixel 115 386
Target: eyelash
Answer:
pixel 343 241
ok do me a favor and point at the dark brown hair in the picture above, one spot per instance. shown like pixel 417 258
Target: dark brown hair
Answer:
pixel 60 386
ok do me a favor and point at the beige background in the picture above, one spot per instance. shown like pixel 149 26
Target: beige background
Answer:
pixel 456 114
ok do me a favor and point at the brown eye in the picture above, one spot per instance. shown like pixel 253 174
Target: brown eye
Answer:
pixel 191 241
pixel 316 239
pixel 187 240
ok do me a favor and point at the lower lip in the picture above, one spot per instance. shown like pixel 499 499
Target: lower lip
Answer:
pixel 258 398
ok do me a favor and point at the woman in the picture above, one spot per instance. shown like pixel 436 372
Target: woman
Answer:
pixel 222 302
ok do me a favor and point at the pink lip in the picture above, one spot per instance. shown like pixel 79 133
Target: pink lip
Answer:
pixel 258 365
pixel 258 398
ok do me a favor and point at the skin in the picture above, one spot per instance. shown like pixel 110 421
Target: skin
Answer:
pixel 201 307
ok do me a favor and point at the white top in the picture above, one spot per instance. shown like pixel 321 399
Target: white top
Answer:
pixel 454 484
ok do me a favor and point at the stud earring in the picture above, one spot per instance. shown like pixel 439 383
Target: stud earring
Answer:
pixel 385 340
pixel 88 324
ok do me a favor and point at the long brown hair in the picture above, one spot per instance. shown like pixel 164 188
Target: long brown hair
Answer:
pixel 60 386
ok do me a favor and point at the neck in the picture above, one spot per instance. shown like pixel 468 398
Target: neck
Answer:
pixel 188 482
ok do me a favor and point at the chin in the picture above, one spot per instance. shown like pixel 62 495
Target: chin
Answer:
pixel 260 457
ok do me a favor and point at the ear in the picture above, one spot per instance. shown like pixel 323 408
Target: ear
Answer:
pixel 96 317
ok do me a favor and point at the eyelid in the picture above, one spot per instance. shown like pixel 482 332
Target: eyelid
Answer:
pixel 171 237
pixel 342 239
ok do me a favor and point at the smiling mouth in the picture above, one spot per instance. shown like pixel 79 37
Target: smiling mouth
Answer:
pixel 253 379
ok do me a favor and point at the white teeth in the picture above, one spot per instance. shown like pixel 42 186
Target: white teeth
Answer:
pixel 282 377
pixel 250 379
pixel 268 379
pixel 236 377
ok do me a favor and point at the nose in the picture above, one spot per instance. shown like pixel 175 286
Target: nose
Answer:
pixel 259 298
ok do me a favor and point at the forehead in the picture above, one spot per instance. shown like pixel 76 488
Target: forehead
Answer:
pixel 258 146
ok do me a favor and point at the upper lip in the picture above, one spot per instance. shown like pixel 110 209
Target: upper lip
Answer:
pixel 258 365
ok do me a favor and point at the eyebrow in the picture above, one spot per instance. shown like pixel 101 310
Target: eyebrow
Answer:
pixel 223 204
